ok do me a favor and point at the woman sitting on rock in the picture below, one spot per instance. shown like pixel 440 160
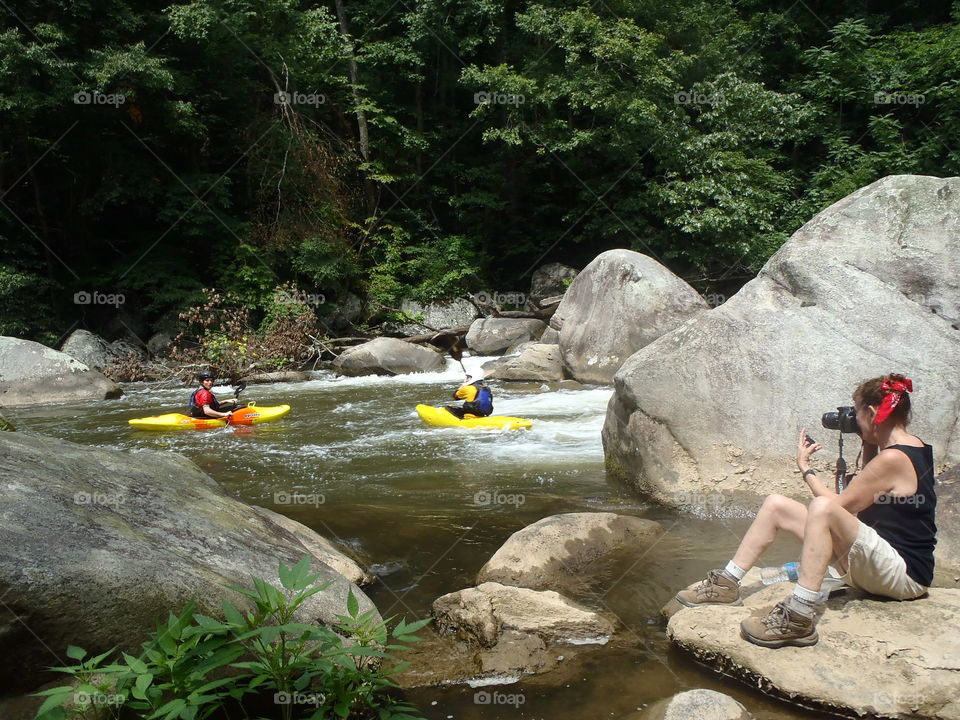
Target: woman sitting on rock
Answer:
pixel 880 531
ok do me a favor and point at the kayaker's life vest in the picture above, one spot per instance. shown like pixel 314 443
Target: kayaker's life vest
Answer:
pixel 484 401
pixel 197 410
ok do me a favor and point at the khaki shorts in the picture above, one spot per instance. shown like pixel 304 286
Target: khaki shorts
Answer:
pixel 874 566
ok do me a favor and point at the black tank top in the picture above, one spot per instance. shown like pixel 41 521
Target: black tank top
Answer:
pixel 908 522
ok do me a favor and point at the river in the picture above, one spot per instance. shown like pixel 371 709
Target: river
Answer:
pixel 423 508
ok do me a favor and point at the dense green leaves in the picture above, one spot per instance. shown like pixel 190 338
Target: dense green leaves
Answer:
pixel 196 667
pixel 421 150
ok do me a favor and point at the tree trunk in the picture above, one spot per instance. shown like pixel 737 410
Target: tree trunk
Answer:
pixel 362 131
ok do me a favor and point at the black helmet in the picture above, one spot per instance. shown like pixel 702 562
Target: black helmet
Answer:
pixel 205 375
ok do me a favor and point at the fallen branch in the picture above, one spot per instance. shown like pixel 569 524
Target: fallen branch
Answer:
pixel 428 337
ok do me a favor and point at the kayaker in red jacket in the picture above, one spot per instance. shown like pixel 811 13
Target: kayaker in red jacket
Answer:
pixel 204 404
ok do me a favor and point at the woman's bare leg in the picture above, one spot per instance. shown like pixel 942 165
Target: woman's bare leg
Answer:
pixel 830 531
pixel 777 513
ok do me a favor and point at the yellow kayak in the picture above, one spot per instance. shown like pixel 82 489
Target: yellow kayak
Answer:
pixel 441 418
pixel 253 414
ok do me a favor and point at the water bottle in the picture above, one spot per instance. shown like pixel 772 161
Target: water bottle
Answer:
pixel 785 573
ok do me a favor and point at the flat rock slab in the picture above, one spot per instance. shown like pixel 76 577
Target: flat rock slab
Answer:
pixel 880 657
pixel 486 612
pixel 562 551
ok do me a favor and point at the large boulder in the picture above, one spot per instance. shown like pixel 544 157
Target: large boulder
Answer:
pixel 870 285
pixel 31 374
pixel 318 546
pixel 550 336
pixel 90 349
pixel 489 336
pixel 621 302
pixel 459 312
pixel 388 356
pixel 551 279
pixel 98 545
pixel 536 362
pixel 874 657
pixel 564 551
pixel 947 555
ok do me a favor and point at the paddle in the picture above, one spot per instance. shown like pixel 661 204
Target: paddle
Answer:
pixel 457 354
pixel 451 343
pixel 241 386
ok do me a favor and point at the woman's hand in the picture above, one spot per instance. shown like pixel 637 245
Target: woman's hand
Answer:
pixel 806 447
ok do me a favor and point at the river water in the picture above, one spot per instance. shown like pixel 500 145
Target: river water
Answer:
pixel 423 508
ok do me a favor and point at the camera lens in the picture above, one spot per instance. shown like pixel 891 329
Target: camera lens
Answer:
pixel 844 420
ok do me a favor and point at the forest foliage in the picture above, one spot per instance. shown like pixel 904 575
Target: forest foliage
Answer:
pixel 150 150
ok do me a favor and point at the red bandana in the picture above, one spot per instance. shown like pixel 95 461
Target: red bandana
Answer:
pixel 894 390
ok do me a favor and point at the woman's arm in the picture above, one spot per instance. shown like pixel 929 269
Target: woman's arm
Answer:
pixel 873 481
pixel 805 448
pixel 869 452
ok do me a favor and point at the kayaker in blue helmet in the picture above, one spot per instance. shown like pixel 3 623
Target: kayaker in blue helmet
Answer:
pixel 476 396
pixel 204 404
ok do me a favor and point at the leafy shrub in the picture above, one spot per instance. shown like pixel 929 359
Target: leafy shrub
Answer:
pixel 194 666
pixel 220 333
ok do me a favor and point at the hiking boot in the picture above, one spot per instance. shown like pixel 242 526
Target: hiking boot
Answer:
pixel 781 627
pixel 717 589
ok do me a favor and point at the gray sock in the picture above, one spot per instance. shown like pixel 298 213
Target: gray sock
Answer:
pixel 803 607
pixel 733 572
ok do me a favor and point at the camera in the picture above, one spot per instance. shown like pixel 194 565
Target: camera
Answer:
pixel 844 420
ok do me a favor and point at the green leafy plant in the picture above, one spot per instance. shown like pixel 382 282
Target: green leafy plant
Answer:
pixel 193 666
